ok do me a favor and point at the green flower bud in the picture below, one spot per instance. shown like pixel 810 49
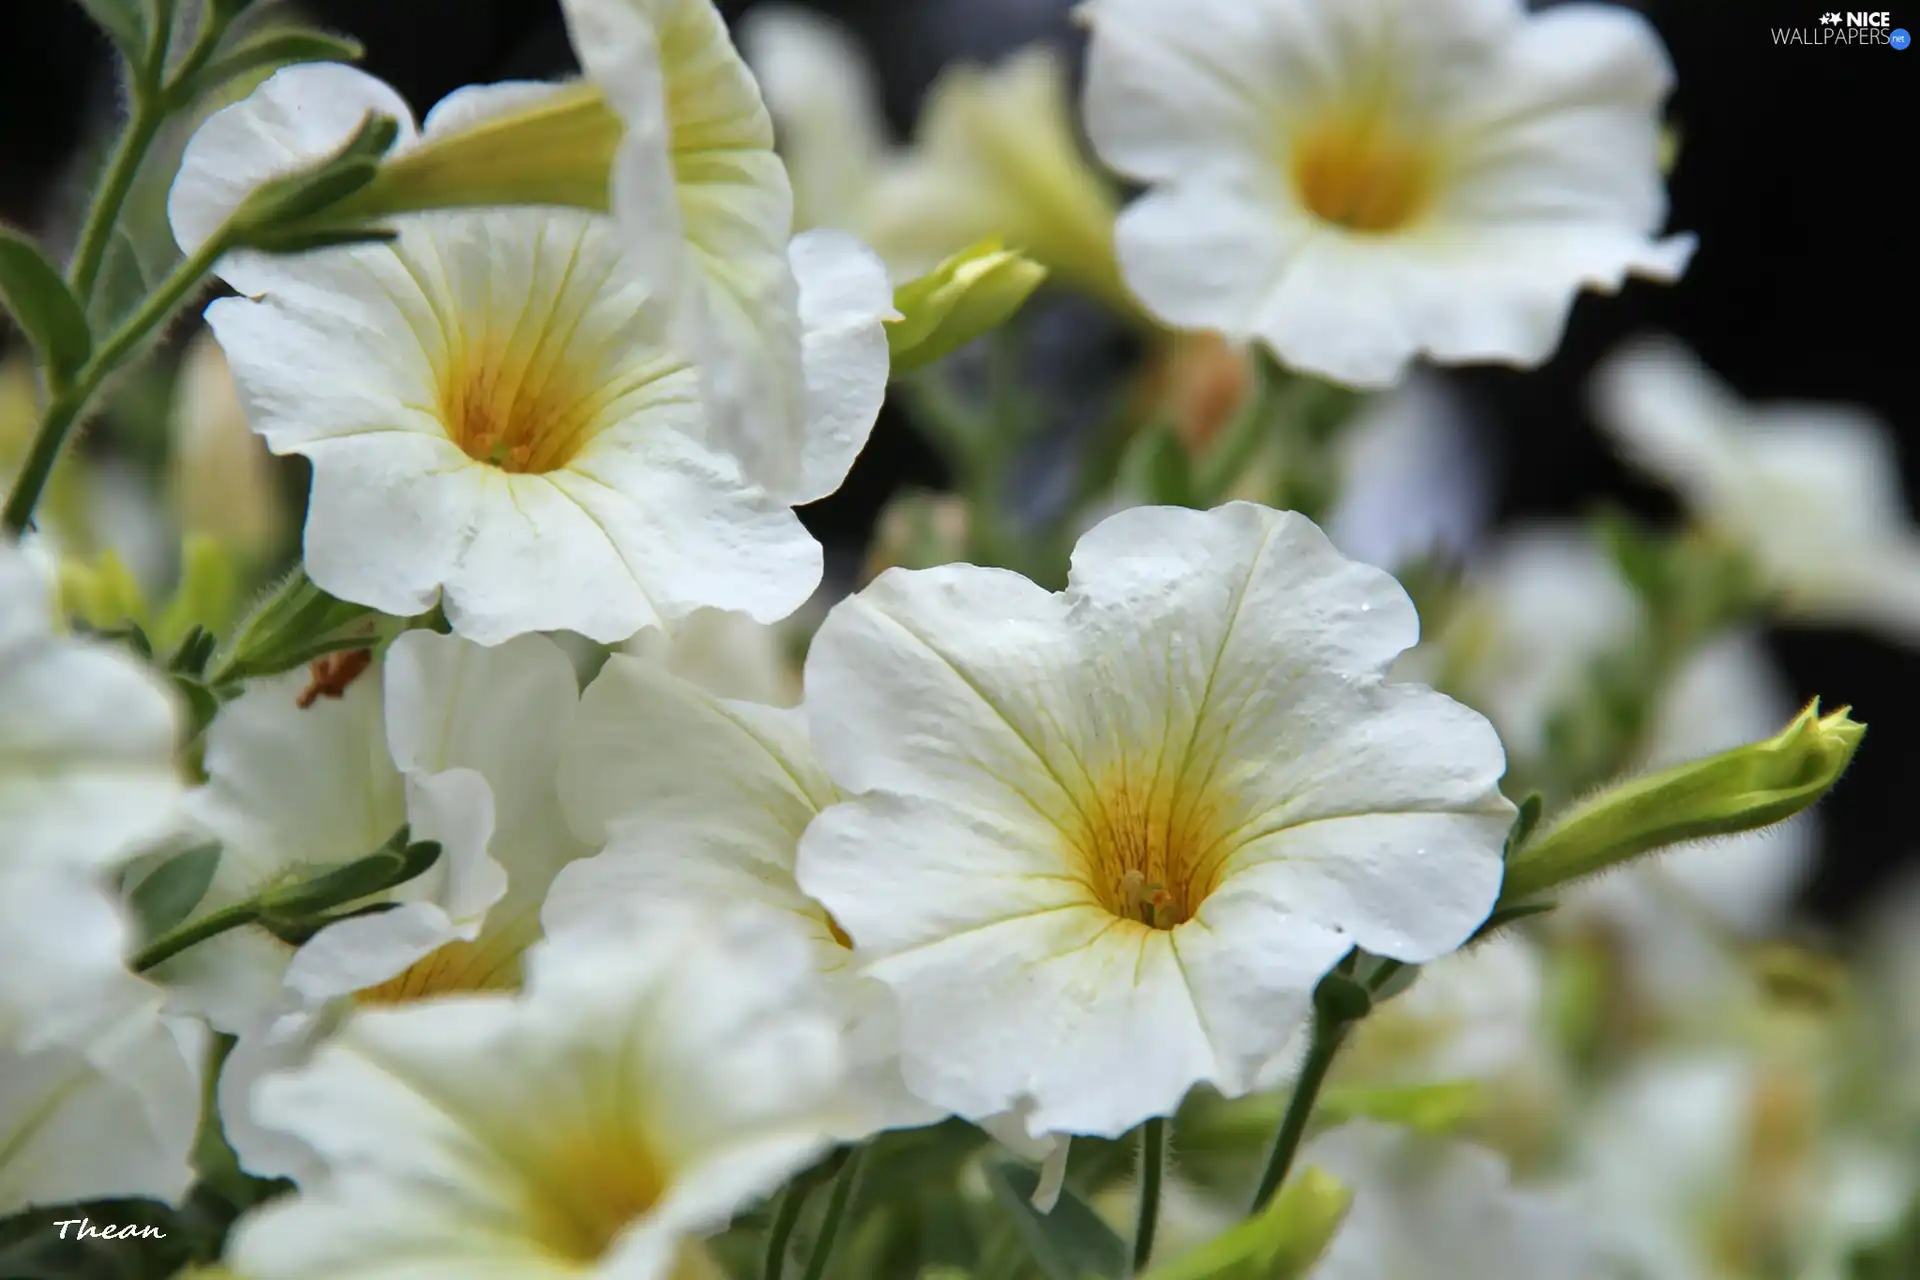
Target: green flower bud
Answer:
pixel 1282 1242
pixel 296 623
pixel 1739 790
pixel 967 296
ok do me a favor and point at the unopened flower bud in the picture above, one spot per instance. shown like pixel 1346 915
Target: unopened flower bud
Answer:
pixel 1739 790
pixel 966 297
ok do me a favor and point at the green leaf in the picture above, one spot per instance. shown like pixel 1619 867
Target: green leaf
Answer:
pixel 1430 1108
pixel 45 308
pixel 170 894
pixel 1072 1242
pixel 1282 1243
pixel 272 50
pixel 396 863
pixel 123 23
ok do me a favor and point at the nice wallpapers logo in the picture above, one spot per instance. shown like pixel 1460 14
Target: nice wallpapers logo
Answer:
pixel 1863 29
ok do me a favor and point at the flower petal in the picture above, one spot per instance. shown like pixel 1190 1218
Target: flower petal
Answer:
pixel 299 115
pixel 845 298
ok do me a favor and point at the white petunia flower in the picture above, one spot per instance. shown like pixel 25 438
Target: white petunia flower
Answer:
pixel 657 1074
pixel 1442 1211
pixel 98 1094
pixel 1810 492
pixel 701 801
pixel 1104 843
pixel 498 413
pixel 457 742
pixel 1357 182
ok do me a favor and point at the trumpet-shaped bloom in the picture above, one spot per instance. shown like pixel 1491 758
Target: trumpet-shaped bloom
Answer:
pixel 656 1074
pixel 457 742
pixel 1357 183
pixel 700 802
pixel 497 406
pixel 1135 822
pixel 1810 492
pixel 1442 1210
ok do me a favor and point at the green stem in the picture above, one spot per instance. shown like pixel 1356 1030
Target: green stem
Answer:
pixel 194 932
pixel 67 406
pixel 786 1215
pixel 836 1215
pixel 1153 1159
pixel 1328 1033
pixel 129 152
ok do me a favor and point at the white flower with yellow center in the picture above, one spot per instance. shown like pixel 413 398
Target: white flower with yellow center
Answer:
pixel 1442 1211
pixel 1358 182
pixel 1810 491
pixel 457 742
pixel 700 800
pixel 497 408
pixel 657 1074
pixel 98 1095
pixel 1103 843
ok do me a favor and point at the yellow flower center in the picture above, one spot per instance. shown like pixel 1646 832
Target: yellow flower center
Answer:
pixel 1361 171
pixel 492 963
pixel 517 405
pixel 1150 847
pixel 590 1187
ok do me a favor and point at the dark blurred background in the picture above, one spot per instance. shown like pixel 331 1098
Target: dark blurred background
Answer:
pixel 1793 170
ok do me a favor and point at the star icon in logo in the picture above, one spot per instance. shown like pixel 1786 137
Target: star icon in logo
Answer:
pixel 1829 19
